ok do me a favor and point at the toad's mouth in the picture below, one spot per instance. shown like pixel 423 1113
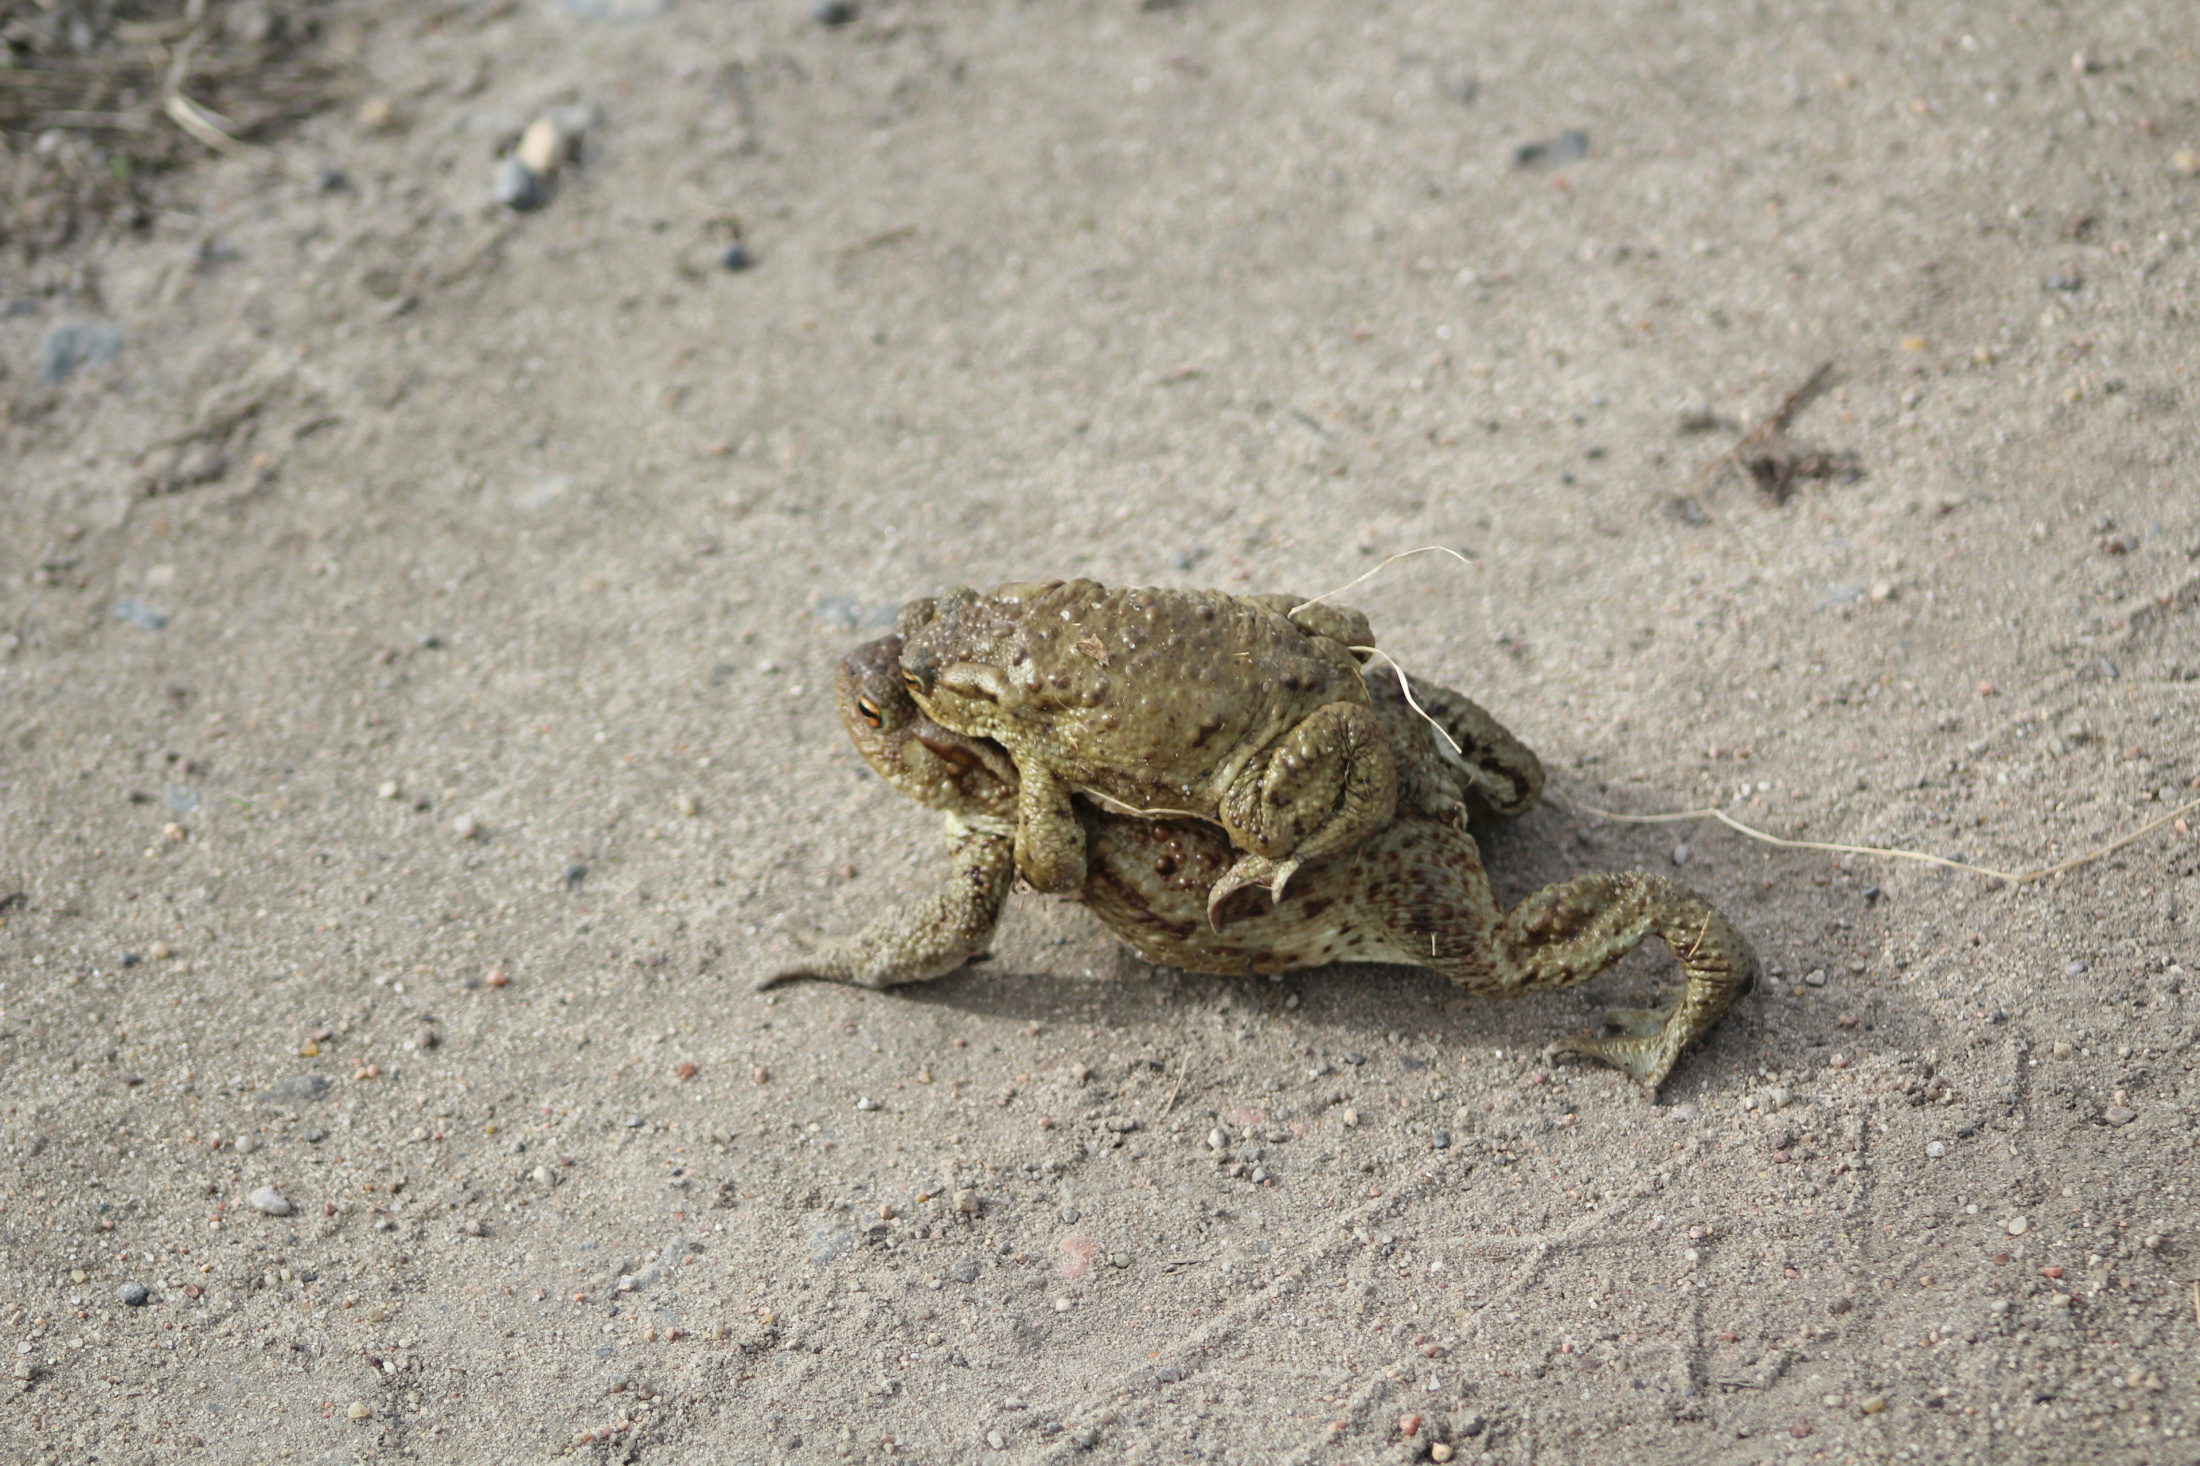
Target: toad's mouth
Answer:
pixel 965 754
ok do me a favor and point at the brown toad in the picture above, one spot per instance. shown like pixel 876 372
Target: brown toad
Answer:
pixel 1413 894
pixel 1247 711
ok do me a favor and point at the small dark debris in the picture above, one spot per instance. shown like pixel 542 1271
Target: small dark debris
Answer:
pixel 834 12
pixel 1780 472
pixel 1564 148
pixel 429 641
pixel 1871 895
pixel 130 959
pixel 2065 282
pixel 1355 1058
pixel 573 875
pixel 139 796
pixel 735 257
pixel 1684 509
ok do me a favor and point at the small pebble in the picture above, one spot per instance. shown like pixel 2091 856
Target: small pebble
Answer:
pixel 471 1227
pixel 1441 1451
pixel 245 1145
pixel 543 147
pixel 466 827
pixel 2063 1048
pixel 424 1038
pixel 516 186
pixel 734 258
pixel 866 1104
pixel 1350 1117
pixel 1815 978
pixel 1567 147
pixel 688 806
pixel 2121 1115
pixel 2017 1226
pixel 687 1071
pixel 1409 1425
pixel 269 1202
pixel 359 1410
pixel 965 1270
pixel 1218 1139
pixel 133 1295
pixel 840 12
pixel 161 951
pixel 543 1176
pixel 1935 1149
pixel 389 789
pixel 1061 1305
pixel 1872 1404
pixel 1680 854
pixel 497 977
pixel 967 1203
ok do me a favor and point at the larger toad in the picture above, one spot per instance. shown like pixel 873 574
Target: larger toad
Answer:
pixel 1247 711
pixel 1413 894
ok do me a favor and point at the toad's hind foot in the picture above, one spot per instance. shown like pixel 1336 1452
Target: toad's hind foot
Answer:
pixel 1248 870
pixel 1640 1022
pixel 1642 1047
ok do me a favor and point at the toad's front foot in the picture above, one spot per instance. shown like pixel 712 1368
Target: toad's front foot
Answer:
pixel 1248 870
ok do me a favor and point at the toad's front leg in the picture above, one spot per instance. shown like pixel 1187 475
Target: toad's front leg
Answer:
pixel 928 938
pixel 1050 843
pixel 1326 788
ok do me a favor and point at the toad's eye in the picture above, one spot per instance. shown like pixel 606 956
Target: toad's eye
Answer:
pixel 869 712
pixel 912 681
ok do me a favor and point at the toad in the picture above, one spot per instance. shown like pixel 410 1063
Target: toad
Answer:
pixel 1414 894
pixel 1247 711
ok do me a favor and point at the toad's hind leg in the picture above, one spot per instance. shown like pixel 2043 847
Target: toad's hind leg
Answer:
pixel 1568 933
pixel 928 938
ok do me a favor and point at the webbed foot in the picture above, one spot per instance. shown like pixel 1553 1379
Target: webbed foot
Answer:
pixel 1642 1047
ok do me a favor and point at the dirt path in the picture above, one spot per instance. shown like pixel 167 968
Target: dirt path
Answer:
pixel 415 730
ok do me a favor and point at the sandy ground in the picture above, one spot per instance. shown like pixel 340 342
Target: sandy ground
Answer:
pixel 415 734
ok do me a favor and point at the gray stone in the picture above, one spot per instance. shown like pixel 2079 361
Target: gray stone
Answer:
pixel 133 1294
pixel 73 344
pixel 517 186
pixel 300 1089
pixel 136 613
pixel 965 1270
pixel 1567 147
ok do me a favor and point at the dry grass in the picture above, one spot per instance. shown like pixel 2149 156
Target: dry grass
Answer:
pixel 102 100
